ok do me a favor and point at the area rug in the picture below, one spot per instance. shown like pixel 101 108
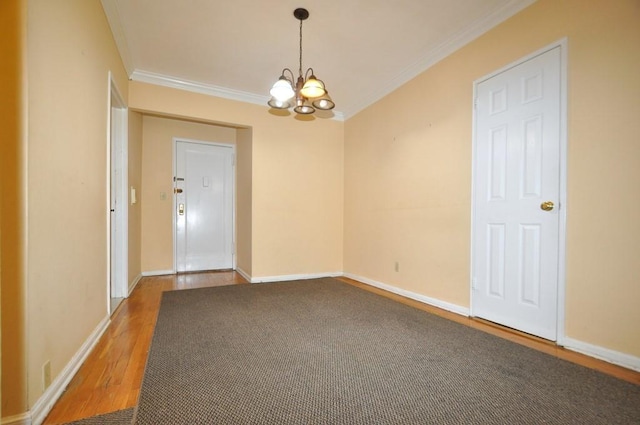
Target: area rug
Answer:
pixel 325 352
pixel 121 417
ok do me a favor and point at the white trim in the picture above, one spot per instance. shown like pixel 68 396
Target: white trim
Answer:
pixel 564 172
pixel 119 139
pixel 46 401
pixel 157 273
pixel 454 308
pixel 437 54
pixel 21 419
pixel 562 224
pixel 204 88
pixel 288 277
pixel 115 23
pixel 610 356
pixel 432 57
pixel 134 283
pixel 244 274
pixel 197 87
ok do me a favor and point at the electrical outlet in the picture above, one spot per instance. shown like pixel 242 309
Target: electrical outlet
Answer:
pixel 46 375
pixel 397 266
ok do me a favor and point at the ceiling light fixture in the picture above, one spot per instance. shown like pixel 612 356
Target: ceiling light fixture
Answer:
pixel 308 93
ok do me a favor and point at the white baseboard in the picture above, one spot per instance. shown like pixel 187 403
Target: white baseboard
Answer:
pixel 615 357
pixel 46 401
pixel 157 273
pixel 133 284
pixel 611 356
pixel 244 274
pixel 454 308
pixel 21 419
pixel 266 279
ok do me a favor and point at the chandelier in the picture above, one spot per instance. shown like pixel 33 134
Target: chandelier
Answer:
pixel 305 95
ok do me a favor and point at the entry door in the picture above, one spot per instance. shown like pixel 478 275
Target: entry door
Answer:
pixel 516 196
pixel 204 206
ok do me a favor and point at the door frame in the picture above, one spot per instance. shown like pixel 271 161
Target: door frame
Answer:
pixel 562 204
pixel 174 215
pixel 117 267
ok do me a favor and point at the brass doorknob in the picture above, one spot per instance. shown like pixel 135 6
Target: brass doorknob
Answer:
pixel 546 206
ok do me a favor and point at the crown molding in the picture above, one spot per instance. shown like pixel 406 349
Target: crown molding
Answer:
pixel 208 89
pixel 110 8
pixel 435 55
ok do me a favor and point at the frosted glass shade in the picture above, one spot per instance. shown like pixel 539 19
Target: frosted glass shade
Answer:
pixel 313 88
pixel 282 90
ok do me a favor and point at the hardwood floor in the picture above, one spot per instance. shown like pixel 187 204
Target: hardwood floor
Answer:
pixel 110 378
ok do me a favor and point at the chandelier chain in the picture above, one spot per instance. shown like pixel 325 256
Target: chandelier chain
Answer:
pixel 300 68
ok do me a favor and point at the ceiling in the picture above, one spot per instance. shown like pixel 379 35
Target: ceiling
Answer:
pixel 361 49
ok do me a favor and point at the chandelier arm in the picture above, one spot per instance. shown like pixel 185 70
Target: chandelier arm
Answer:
pixel 292 79
pixel 308 73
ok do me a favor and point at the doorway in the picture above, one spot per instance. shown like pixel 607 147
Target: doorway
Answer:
pixel 118 197
pixel 519 193
pixel 204 208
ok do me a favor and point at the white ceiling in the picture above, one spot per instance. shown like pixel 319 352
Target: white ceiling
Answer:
pixel 361 49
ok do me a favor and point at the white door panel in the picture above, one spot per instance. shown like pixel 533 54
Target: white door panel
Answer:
pixel 516 169
pixel 204 206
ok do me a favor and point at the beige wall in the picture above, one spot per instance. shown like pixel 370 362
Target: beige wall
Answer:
pixel 408 168
pixel 296 179
pixel 135 181
pixel 157 179
pixel 244 196
pixel 13 373
pixel 70 53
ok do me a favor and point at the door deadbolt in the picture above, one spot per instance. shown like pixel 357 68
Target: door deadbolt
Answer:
pixel 546 206
pixel 177 190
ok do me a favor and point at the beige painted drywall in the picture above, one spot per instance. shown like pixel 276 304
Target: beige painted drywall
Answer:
pixel 244 196
pixel 408 168
pixel 135 182
pixel 70 53
pixel 296 179
pixel 13 393
pixel 157 182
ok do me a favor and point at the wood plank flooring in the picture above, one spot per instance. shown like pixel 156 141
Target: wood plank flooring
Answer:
pixel 110 378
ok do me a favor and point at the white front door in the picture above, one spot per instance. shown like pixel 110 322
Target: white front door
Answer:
pixel 204 206
pixel 516 196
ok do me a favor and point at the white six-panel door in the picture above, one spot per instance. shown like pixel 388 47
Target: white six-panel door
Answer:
pixel 204 206
pixel 516 196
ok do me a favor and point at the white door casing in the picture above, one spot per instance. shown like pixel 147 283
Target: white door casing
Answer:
pixel 204 206
pixel 517 247
pixel 117 193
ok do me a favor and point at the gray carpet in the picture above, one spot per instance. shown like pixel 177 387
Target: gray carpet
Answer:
pixel 324 352
pixel 121 417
